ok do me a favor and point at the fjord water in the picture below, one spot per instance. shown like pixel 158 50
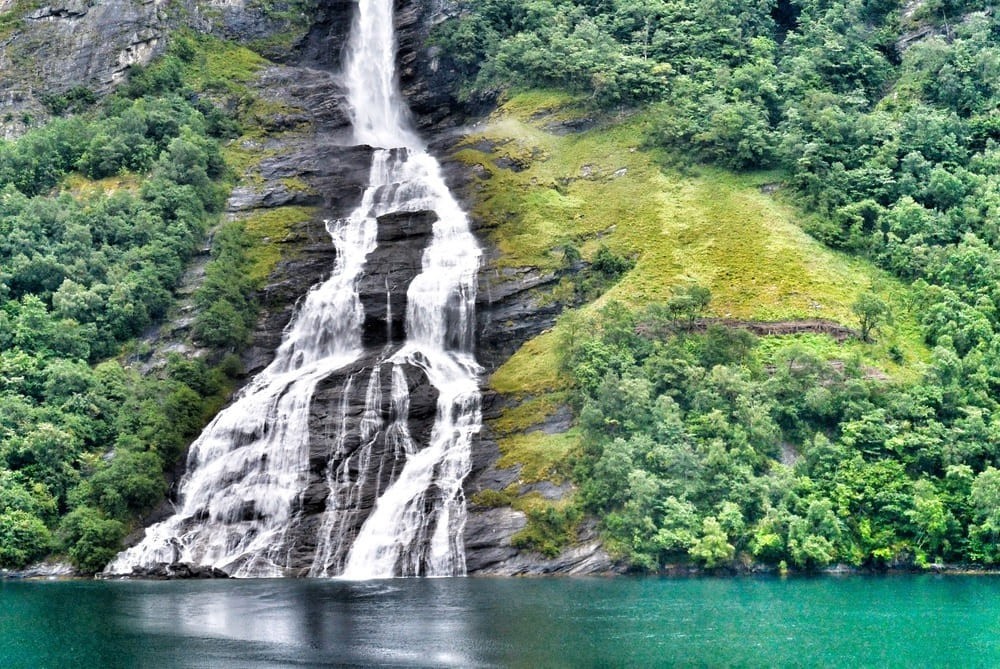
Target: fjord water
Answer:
pixel 248 470
pixel 900 621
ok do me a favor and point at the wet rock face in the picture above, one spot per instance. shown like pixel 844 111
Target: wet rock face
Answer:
pixel 323 47
pixel 509 307
pixel 389 270
pixel 359 446
pixel 337 176
pixel 513 306
pixel 177 571
pixel 426 81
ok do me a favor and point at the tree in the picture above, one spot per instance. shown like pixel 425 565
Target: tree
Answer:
pixel 931 518
pixel 23 539
pixel 872 313
pixel 985 501
pixel 712 547
pixel 90 539
pixel 689 302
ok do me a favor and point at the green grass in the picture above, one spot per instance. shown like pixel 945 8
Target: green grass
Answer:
pixel 551 524
pixel 710 226
pixel 13 18
pixel 268 228
pixel 83 188
pixel 219 65
pixel 530 412
pixel 542 456
pixel 296 16
pixel 715 227
pixel 229 73
pixel 534 369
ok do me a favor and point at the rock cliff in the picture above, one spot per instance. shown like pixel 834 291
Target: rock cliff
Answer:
pixel 92 43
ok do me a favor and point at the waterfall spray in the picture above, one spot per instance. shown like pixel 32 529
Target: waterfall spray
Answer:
pixel 250 467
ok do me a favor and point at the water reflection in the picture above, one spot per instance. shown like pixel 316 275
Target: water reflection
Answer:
pixel 911 621
pixel 418 623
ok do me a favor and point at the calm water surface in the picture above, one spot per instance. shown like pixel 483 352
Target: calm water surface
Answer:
pixel 835 622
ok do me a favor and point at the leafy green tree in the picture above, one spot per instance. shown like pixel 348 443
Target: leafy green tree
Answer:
pixel 131 483
pixel 90 539
pixel 985 503
pixel 688 302
pixel 932 518
pixel 712 548
pixel 23 539
pixel 872 314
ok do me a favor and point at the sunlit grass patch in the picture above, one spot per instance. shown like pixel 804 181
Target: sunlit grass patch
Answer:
pixel 83 188
pixel 268 228
pixel 533 370
pixel 529 413
pixel 542 456
pixel 708 226
pixel 543 189
pixel 220 66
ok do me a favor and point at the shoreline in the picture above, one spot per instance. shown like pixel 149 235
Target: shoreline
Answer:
pixel 64 572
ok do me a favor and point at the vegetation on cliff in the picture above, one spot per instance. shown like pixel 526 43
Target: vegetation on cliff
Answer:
pixel 832 161
pixel 102 210
pixel 878 125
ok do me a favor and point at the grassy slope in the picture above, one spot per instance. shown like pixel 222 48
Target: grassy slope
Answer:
pixel 229 73
pixel 708 226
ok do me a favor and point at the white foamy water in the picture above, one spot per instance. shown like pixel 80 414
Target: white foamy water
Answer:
pixel 250 466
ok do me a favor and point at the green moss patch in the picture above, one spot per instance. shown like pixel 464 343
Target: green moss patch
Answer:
pixel 83 188
pixel 13 18
pixel 542 456
pixel 544 190
pixel 529 413
pixel 218 65
pixel 534 369
pixel 268 229
pixel 551 524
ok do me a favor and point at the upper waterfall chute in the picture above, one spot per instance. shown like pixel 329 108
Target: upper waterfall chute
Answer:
pixel 378 114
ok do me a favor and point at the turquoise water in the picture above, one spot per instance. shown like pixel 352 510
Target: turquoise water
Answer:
pixel 905 621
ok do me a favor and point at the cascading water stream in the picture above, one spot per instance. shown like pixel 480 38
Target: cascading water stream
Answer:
pixel 417 524
pixel 249 469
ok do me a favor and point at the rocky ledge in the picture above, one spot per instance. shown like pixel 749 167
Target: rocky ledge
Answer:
pixel 175 572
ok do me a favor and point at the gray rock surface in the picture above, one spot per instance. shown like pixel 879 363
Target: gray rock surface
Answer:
pixel 42 570
pixel 71 43
pixel 488 543
pixel 177 571
pixel 425 79
pixel 64 44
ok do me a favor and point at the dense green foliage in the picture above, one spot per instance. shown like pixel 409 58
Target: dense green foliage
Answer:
pixel 885 122
pixel 84 446
pixel 695 449
pixel 895 147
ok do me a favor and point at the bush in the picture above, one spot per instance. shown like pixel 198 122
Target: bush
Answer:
pixel 130 483
pixel 23 539
pixel 90 539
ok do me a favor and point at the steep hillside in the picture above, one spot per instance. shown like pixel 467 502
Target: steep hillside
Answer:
pixel 552 179
pixel 697 442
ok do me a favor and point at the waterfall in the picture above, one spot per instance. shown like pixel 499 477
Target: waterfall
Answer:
pixel 249 470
